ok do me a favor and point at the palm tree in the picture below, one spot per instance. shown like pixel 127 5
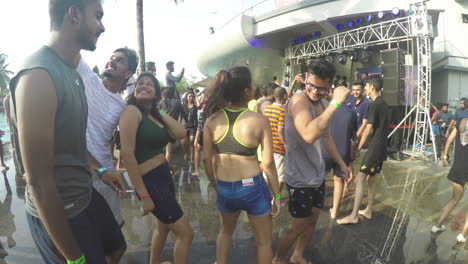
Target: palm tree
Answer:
pixel 141 34
pixel 4 72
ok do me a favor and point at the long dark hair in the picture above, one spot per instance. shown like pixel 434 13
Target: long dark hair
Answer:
pixel 194 100
pixel 154 111
pixel 228 87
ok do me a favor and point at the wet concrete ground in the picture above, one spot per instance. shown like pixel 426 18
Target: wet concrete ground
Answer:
pixel 410 195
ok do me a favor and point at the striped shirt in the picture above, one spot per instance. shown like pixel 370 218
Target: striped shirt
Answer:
pixel 104 108
pixel 276 115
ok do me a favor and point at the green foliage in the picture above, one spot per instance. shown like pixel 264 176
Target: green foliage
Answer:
pixel 186 82
pixel 4 74
pixel 96 70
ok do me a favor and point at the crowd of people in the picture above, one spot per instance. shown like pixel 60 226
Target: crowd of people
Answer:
pixel 253 143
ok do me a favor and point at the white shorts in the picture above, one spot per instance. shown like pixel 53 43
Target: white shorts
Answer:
pixel 279 163
pixel 111 197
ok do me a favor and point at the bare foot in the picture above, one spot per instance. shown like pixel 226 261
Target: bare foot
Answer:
pixel 366 213
pixel 348 220
pixel 299 260
pixel 195 173
pixel 332 214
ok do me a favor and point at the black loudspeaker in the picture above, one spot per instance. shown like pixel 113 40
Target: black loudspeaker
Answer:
pixel 297 68
pixel 393 76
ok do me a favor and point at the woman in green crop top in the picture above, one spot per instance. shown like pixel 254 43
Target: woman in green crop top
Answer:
pixel 231 136
pixel 144 132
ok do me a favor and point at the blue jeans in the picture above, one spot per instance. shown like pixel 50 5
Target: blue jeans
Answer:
pixel 251 195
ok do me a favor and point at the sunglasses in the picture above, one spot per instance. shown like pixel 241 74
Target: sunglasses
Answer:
pixel 320 90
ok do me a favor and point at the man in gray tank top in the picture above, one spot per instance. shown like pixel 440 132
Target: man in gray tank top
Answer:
pixel 307 133
pixel 67 218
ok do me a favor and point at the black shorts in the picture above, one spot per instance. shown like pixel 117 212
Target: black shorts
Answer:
pixel 160 187
pixel 459 172
pixel 200 139
pixel 301 200
pixel 331 164
pixel 95 230
pixel 371 168
pixel 373 161
pixel 191 131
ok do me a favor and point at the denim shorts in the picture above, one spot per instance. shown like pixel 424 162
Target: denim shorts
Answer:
pixel 251 195
pixel 95 229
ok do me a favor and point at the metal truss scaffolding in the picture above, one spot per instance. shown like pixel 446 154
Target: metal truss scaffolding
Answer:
pixel 416 27
pixel 381 33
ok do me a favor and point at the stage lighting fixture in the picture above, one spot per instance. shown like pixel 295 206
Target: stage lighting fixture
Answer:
pixel 409 12
pixel 287 63
pixel 380 15
pixel 350 24
pixel 286 75
pixel 295 41
pixel 365 56
pixel 317 34
pixel 396 11
pixel 339 27
pixel 359 21
pixel 342 58
pixel 369 18
pixel 353 56
pixel 329 59
pixel 302 39
pixel 286 84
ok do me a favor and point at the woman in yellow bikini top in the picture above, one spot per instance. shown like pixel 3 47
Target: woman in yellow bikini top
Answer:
pixel 231 136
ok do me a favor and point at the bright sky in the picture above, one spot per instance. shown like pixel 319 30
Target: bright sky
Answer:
pixel 172 32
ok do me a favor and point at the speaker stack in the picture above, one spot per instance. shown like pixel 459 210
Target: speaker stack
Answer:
pixel 297 68
pixel 393 76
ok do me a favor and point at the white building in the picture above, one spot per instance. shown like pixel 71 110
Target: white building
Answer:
pixel 259 39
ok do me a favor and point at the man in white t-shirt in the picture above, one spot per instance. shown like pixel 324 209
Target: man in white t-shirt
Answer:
pixel 104 108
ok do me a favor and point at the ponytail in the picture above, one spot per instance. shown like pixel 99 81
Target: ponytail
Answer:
pixel 228 87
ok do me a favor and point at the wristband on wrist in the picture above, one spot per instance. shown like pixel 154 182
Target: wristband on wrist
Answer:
pixel 144 195
pixel 100 171
pixel 81 260
pixel 336 103
pixel 162 112
pixel 277 196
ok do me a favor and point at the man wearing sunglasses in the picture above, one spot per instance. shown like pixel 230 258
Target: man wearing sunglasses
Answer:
pixel 307 130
